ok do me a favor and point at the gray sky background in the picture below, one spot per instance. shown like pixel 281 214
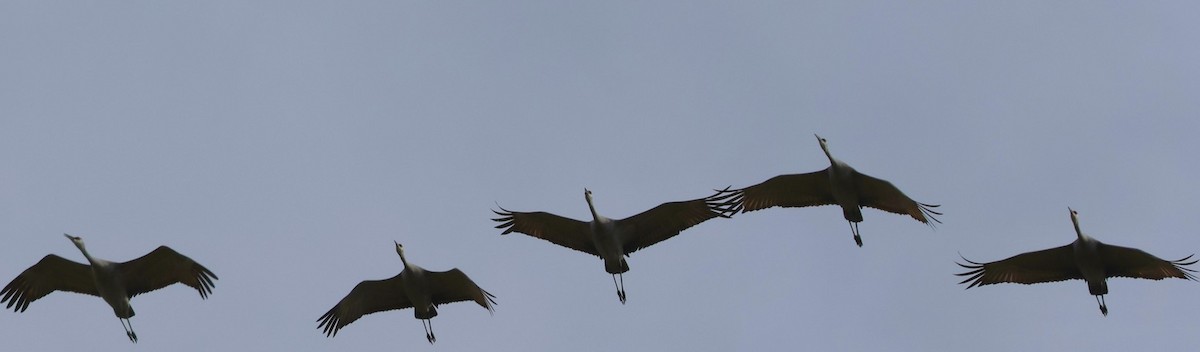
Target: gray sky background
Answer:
pixel 286 144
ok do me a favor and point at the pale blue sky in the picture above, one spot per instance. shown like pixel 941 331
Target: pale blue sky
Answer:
pixel 286 144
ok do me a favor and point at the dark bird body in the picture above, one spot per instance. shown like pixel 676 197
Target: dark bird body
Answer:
pixel 839 184
pixel 414 287
pixel 613 240
pixel 116 283
pixel 1085 259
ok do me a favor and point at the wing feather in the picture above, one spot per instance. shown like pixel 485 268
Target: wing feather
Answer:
pixel 882 195
pixel 367 297
pixel 793 190
pixel 52 273
pixel 559 230
pixel 163 267
pixel 668 220
pixel 455 286
pixel 1049 265
pixel 1135 263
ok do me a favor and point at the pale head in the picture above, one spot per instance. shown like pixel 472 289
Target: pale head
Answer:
pixel 587 194
pixel 823 142
pixel 1075 222
pixel 399 248
pixel 78 241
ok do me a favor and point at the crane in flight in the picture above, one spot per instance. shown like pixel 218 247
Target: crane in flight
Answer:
pixel 116 283
pixel 1085 259
pixel 416 288
pixel 839 184
pixel 613 240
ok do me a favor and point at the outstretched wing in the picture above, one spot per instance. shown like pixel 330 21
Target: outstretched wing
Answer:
pixel 1135 263
pixel 559 230
pixel 52 273
pixel 163 267
pixel 794 190
pixel 882 195
pixel 1055 264
pixel 669 219
pixel 367 297
pixel 455 286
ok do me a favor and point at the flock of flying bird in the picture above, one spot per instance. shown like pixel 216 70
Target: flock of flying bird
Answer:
pixel 612 241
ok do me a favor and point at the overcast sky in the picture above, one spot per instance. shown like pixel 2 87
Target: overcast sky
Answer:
pixel 286 144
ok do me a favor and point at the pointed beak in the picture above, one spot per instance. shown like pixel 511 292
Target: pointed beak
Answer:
pixel 68 236
pixel 818 137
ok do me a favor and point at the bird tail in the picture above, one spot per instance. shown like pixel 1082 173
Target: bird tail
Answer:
pixel 1100 287
pixel 616 266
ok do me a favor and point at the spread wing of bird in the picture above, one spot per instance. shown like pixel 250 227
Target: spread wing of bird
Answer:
pixel 667 220
pixel 163 267
pixel 455 286
pixel 52 273
pixel 1135 263
pixel 793 190
pixel 367 297
pixel 882 195
pixel 566 232
pixel 1054 264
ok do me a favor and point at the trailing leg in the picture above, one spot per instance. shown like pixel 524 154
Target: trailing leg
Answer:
pixel 428 325
pixel 620 287
pixel 854 230
pixel 128 326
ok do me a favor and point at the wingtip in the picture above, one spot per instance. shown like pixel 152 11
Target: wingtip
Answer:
pixel 968 260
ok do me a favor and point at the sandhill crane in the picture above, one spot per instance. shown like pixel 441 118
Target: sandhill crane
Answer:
pixel 838 184
pixel 414 287
pixel 613 240
pixel 116 283
pixel 1086 259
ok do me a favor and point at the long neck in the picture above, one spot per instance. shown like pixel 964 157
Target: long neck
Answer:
pixel 86 255
pixel 1078 232
pixel 595 215
pixel 829 155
